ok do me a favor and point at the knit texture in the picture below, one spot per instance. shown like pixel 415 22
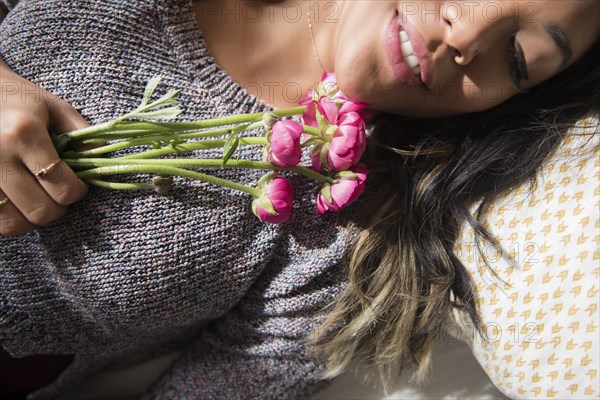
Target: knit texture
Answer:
pixel 129 275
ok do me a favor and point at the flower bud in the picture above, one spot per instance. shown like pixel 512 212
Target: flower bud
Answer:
pixel 348 186
pixel 285 149
pixel 330 102
pixel 269 119
pixel 162 184
pixel 348 143
pixel 274 205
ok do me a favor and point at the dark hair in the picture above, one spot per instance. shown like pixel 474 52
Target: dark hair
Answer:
pixel 424 177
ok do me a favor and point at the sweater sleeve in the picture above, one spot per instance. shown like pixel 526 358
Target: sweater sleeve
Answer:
pixel 257 350
pixel 9 4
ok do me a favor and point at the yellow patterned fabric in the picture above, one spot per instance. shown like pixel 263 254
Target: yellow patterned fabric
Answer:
pixel 541 312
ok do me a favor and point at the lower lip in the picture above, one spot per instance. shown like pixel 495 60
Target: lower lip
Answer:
pixel 393 50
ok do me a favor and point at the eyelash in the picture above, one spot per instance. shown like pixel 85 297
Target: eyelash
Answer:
pixel 515 69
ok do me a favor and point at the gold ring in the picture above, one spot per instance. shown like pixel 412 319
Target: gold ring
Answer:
pixel 42 172
pixel 4 201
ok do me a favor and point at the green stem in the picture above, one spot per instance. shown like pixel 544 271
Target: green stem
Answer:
pixel 120 134
pixel 120 185
pixel 309 173
pixel 90 130
pixel 166 170
pixel 169 134
pixel 150 140
pixel 179 126
pixel 312 131
pixel 191 163
pixel 181 148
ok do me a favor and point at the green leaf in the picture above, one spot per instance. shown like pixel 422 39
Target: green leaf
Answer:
pixel 266 205
pixel 174 143
pixel 330 132
pixel 269 119
pixel 265 180
pixel 326 192
pixel 166 100
pixel 331 90
pixel 150 88
pixel 230 146
pixel 346 174
pixel 316 95
pixel 321 120
pixel 161 114
pixel 320 89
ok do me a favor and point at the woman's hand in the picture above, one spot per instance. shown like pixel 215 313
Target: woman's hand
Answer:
pixel 35 186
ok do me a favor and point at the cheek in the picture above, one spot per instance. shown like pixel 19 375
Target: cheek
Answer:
pixel 360 63
pixel 480 88
pixel 358 80
pixel 474 90
pixel 450 100
pixel 486 96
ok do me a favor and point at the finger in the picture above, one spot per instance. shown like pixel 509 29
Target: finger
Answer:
pixel 26 194
pixel 63 116
pixel 54 176
pixel 12 222
pixel 29 140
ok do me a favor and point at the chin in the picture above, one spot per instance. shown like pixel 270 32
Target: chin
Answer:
pixel 356 87
pixel 358 80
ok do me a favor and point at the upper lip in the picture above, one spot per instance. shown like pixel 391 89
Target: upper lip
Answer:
pixel 419 49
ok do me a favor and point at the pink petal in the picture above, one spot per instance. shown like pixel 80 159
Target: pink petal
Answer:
pixel 322 205
pixel 310 114
pixel 315 158
pixel 329 109
pixel 352 106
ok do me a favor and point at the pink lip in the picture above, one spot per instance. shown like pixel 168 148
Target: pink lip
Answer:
pixel 393 50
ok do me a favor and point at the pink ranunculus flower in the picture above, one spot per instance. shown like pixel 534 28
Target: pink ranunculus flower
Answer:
pixel 309 116
pixel 285 149
pixel 274 205
pixel 329 109
pixel 348 186
pixel 326 95
pixel 315 157
pixel 329 85
pixel 348 143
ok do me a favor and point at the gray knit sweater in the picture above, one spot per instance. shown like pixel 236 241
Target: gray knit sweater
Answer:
pixel 127 275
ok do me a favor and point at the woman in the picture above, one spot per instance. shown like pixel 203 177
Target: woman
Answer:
pixel 124 276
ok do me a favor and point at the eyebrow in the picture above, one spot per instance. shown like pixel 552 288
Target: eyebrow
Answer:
pixel 562 42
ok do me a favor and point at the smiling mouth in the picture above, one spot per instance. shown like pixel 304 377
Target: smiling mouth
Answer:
pixel 408 53
pixel 405 53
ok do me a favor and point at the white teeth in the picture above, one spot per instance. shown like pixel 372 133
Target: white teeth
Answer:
pixel 408 53
pixel 412 61
pixel 403 36
pixel 407 49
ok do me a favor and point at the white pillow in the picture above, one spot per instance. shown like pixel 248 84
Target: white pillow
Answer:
pixel 542 326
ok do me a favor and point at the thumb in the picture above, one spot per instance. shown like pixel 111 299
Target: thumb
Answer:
pixel 64 117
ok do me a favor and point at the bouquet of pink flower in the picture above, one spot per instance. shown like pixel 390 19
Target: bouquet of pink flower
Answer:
pixel 332 128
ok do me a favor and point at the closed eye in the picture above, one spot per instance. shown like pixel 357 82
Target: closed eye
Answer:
pixel 517 67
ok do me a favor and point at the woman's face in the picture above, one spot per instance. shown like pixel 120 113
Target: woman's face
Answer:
pixel 472 55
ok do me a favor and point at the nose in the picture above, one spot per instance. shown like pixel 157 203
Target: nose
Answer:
pixel 466 35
